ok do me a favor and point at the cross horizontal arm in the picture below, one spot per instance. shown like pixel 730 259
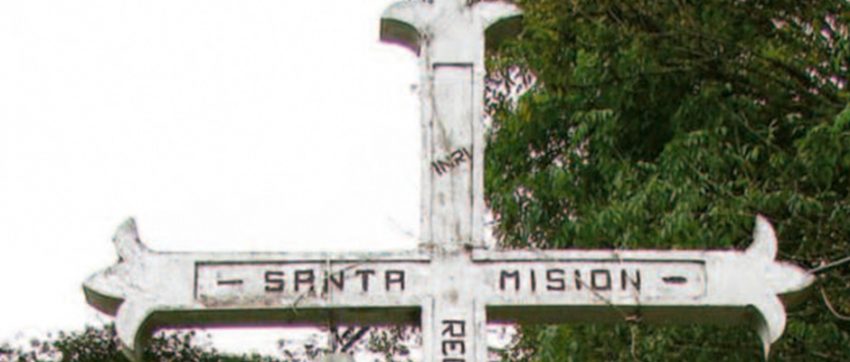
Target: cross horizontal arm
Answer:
pixel 147 289
pixel 648 285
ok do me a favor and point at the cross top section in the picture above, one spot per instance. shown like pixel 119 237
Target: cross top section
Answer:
pixel 449 38
pixel 451 31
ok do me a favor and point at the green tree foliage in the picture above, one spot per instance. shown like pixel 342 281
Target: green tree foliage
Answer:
pixel 102 345
pixel 671 124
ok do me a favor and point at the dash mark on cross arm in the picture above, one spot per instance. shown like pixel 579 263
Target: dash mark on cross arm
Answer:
pixel 675 279
pixel 230 282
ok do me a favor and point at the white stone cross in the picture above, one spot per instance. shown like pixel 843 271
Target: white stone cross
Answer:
pixel 453 294
pixel 452 285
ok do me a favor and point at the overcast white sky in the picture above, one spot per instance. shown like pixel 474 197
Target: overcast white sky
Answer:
pixel 219 124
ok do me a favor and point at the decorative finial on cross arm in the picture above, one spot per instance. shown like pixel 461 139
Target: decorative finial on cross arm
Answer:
pixel 449 37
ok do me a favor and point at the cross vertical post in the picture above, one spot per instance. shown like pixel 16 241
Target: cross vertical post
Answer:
pixel 448 36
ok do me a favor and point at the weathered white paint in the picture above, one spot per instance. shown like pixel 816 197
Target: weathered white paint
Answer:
pixel 452 293
pixel 452 285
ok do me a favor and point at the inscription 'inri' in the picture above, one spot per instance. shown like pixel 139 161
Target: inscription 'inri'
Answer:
pixel 451 161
